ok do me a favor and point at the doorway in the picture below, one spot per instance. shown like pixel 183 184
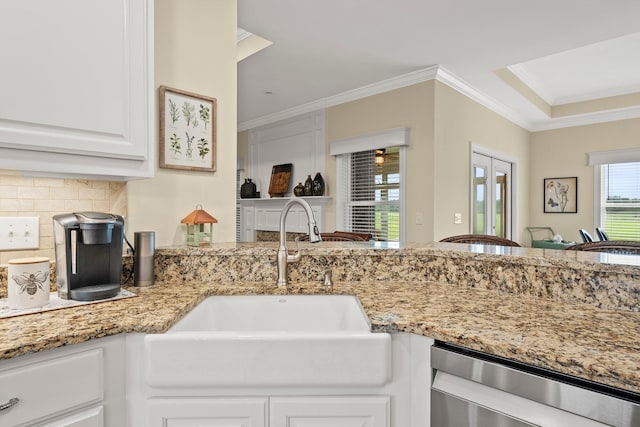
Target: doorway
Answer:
pixel 491 184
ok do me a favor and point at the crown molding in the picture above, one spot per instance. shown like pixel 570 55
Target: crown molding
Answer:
pixel 587 119
pixel 434 72
pixel 442 75
pixel 534 84
pixel 398 82
pixel 607 93
pixel 466 89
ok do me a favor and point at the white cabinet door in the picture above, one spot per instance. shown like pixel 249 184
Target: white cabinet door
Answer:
pixel 93 417
pixel 351 411
pixel 79 85
pixel 207 412
pixel 268 219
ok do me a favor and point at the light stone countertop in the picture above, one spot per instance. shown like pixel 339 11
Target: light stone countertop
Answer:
pixel 576 339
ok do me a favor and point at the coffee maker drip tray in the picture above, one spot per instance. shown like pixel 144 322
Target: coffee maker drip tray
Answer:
pixel 95 292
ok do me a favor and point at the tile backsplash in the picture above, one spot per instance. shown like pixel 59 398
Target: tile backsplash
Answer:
pixel 46 197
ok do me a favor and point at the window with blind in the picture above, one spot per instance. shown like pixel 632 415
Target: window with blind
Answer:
pixel 372 194
pixel 620 200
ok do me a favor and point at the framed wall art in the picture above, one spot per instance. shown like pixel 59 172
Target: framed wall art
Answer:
pixel 187 130
pixel 561 195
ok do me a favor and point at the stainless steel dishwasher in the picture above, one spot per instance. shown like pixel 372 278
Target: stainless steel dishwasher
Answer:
pixel 475 389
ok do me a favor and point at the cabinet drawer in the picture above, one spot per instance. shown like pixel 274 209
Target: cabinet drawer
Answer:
pixel 50 387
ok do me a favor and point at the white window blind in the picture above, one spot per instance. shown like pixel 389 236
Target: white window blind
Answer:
pixel 620 200
pixel 372 194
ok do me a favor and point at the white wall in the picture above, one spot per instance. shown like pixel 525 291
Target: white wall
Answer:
pixel 195 50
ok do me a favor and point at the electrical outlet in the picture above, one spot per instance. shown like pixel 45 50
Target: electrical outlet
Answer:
pixel 419 218
pixel 457 218
pixel 19 232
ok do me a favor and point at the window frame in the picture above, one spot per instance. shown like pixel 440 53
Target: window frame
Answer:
pixel 599 158
pixel 598 205
pixel 395 137
pixel 343 172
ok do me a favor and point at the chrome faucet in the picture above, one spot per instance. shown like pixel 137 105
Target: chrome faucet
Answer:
pixel 283 255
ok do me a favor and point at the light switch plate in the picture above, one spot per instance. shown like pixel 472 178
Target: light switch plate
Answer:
pixel 19 232
pixel 457 218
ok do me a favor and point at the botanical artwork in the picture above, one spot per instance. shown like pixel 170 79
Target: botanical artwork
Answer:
pixel 561 195
pixel 187 130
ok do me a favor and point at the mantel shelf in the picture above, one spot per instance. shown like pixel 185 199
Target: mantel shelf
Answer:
pixel 264 214
pixel 313 200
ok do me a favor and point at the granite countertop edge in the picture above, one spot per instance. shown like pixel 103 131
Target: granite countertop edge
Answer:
pixel 577 260
pixel 575 339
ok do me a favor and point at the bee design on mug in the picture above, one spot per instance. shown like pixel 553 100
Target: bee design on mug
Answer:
pixel 31 282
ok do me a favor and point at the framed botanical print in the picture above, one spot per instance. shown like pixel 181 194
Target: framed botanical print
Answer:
pixel 187 130
pixel 561 195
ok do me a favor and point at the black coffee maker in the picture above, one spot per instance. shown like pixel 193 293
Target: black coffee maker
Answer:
pixel 88 249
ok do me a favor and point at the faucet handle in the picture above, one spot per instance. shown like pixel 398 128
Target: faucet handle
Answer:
pixel 298 255
pixel 328 281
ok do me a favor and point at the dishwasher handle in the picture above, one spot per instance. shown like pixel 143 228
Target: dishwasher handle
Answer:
pixel 534 387
pixel 516 410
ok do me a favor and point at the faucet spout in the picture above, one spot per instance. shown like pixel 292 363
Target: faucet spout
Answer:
pixel 283 258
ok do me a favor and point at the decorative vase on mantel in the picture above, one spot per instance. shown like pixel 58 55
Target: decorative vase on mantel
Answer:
pixel 318 185
pixel 308 186
pixel 298 190
pixel 248 189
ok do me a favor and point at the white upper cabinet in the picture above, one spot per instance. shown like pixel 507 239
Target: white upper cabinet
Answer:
pixel 76 87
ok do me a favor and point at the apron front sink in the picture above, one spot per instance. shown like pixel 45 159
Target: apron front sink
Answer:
pixel 270 340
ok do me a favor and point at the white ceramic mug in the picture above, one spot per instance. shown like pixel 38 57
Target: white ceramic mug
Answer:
pixel 29 283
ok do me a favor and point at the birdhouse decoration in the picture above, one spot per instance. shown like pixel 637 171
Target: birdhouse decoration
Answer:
pixel 199 227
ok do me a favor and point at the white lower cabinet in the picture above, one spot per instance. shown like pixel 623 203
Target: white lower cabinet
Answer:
pixel 403 401
pixel 80 386
pixel 207 412
pixel 281 411
pixel 334 411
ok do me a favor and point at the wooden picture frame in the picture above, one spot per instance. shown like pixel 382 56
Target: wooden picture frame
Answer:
pixel 560 195
pixel 280 177
pixel 187 130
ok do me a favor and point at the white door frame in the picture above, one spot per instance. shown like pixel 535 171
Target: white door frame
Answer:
pixel 512 227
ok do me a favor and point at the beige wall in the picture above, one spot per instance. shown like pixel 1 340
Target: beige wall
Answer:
pixel 195 50
pixel 443 123
pixel 410 107
pixel 460 122
pixel 563 152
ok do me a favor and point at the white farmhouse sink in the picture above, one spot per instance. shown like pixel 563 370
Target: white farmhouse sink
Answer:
pixel 270 340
